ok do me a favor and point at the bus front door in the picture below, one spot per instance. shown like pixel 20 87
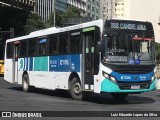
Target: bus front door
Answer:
pixel 15 61
pixel 88 59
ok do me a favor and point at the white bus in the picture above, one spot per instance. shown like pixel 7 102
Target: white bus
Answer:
pixel 112 56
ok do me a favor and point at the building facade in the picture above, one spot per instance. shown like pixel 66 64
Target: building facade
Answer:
pixel 61 5
pixel 119 13
pixel 25 4
pixel 93 9
pixel 107 9
pixel 81 4
pixel 44 8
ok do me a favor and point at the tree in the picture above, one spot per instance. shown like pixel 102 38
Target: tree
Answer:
pixel 34 22
pixel 71 13
pixel 59 16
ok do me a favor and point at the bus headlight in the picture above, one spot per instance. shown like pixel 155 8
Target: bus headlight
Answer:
pixel 113 79
pixel 152 79
pixel 109 77
pixel 155 70
pixel 105 75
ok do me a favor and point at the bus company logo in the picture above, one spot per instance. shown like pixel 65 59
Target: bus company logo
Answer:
pixel 143 77
pixel 21 114
pixel 64 62
pixel 21 63
pixel 125 77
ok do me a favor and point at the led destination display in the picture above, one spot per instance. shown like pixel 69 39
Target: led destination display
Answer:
pixel 128 25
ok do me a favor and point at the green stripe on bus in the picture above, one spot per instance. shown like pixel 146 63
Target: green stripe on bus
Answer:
pixel 40 63
pixel 88 29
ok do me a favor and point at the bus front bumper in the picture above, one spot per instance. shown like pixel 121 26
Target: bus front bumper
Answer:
pixel 108 86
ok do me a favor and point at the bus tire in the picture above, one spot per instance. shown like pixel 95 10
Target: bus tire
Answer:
pixel 75 89
pixel 119 95
pixel 25 83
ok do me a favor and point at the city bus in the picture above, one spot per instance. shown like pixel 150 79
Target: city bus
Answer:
pixel 102 56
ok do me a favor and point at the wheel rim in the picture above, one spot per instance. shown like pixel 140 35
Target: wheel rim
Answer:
pixel 77 88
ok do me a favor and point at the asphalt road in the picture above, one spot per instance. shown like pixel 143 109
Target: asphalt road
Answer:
pixel 12 98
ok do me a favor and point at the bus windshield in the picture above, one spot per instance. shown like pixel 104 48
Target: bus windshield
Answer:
pixel 128 48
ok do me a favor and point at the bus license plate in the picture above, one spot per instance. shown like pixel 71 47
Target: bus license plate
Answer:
pixel 135 87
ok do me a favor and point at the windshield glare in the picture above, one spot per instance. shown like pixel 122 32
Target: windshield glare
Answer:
pixel 128 48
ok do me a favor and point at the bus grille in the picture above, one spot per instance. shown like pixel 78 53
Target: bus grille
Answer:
pixel 132 69
pixel 127 86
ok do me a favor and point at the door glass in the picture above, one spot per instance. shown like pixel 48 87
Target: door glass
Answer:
pixel 89 58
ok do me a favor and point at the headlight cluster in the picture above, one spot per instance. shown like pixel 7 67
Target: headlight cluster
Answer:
pixel 155 70
pixel 109 77
pixel 153 78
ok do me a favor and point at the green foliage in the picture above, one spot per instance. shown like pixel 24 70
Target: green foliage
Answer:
pixel 70 13
pixel 34 22
pixel 58 18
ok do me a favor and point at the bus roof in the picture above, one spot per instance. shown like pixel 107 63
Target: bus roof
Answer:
pixel 53 30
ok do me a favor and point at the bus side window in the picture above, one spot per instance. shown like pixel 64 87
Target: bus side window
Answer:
pixel 53 45
pixel 10 50
pixel 32 47
pixel 42 46
pixel 23 48
pixel 63 40
pixel 75 44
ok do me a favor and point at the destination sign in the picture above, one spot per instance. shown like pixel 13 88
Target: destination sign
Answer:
pixel 117 58
pixel 128 25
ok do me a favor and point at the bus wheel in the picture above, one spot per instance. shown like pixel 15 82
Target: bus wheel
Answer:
pixel 25 83
pixel 75 89
pixel 119 95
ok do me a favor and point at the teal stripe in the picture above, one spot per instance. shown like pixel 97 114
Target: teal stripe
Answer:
pixel 40 63
pixel 108 86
